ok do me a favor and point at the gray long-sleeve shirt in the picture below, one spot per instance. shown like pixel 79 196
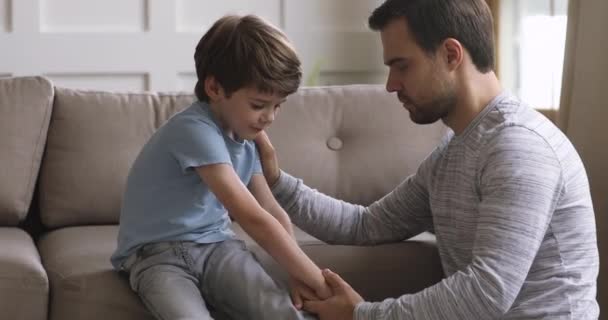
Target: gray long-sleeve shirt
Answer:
pixel 509 203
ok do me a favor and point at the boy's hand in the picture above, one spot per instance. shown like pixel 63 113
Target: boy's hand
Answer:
pixel 341 306
pixel 324 291
pixel 300 293
pixel 268 157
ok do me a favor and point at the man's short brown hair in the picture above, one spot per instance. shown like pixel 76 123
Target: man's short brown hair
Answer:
pixel 246 51
pixel 433 21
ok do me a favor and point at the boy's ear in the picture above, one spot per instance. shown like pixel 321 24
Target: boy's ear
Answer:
pixel 213 89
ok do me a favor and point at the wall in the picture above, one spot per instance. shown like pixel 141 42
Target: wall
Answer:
pixel 584 111
pixel 149 44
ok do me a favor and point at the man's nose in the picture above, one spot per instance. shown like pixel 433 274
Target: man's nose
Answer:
pixel 392 85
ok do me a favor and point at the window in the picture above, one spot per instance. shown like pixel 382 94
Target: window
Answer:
pixel 531 43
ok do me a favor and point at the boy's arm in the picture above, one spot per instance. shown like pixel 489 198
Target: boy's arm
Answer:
pixel 260 190
pixel 261 226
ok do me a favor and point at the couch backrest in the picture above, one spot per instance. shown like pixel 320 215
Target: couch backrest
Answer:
pixel 352 142
pixel 92 141
pixel 25 110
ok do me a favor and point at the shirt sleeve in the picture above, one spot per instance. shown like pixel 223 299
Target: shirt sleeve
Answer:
pixel 520 182
pixel 194 143
pixel 401 214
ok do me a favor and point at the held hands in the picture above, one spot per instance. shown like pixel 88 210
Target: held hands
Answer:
pixel 323 291
pixel 341 306
pixel 268 157
pixel 300 292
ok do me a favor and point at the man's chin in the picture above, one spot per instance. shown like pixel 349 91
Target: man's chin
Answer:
pixel 420 119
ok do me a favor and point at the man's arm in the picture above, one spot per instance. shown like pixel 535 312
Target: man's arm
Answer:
pixel 400 215
pixel 261 226
pixel 520 185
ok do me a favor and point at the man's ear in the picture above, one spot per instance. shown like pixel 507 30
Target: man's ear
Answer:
pixel 453 53
pixel 213 89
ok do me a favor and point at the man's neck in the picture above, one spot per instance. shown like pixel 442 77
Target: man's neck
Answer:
pixel 476 92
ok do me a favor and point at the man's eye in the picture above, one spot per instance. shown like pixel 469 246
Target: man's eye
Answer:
pixel 257 106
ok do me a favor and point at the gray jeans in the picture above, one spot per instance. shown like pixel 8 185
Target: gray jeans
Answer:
pixel 223 280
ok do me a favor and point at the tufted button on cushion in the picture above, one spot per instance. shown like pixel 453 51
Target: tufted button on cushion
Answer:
pixel 334 143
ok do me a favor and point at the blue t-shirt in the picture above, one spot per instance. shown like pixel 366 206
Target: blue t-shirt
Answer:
pixel 165 199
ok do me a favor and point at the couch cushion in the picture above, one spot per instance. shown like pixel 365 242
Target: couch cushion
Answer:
pixel 382 271
pixel 355 142
pixel 93 139
pixel 24 286
pixel 83 283
pixel 375 272
pixel 25 110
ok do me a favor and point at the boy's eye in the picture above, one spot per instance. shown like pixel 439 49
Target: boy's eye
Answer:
pixel 257 106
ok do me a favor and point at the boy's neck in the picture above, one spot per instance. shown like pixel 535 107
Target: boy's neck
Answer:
pixel 217 117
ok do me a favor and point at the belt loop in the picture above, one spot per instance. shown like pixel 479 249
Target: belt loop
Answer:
pixel 130 261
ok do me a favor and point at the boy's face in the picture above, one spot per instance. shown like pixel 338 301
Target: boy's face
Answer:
pixel 247 111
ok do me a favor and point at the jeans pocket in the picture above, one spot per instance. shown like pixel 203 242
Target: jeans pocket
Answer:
pixel 145 257
pixel 152 249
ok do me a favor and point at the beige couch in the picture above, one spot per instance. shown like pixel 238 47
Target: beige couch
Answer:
pixel 65 155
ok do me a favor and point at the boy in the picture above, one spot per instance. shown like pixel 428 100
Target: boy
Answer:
pixel 175 239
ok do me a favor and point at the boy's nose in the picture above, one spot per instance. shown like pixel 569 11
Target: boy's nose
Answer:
pixel 268 117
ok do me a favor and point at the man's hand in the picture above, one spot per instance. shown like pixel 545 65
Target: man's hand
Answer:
pixel 300 293
pixel 341 306
pixel 268 157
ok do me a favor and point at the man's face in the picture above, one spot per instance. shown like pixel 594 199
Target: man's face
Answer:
pixel 246 112
pixel 421 81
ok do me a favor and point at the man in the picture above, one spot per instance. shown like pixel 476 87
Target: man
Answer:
pixel 505 193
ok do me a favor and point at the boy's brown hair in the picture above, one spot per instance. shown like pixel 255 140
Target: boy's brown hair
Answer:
pixel 246 51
